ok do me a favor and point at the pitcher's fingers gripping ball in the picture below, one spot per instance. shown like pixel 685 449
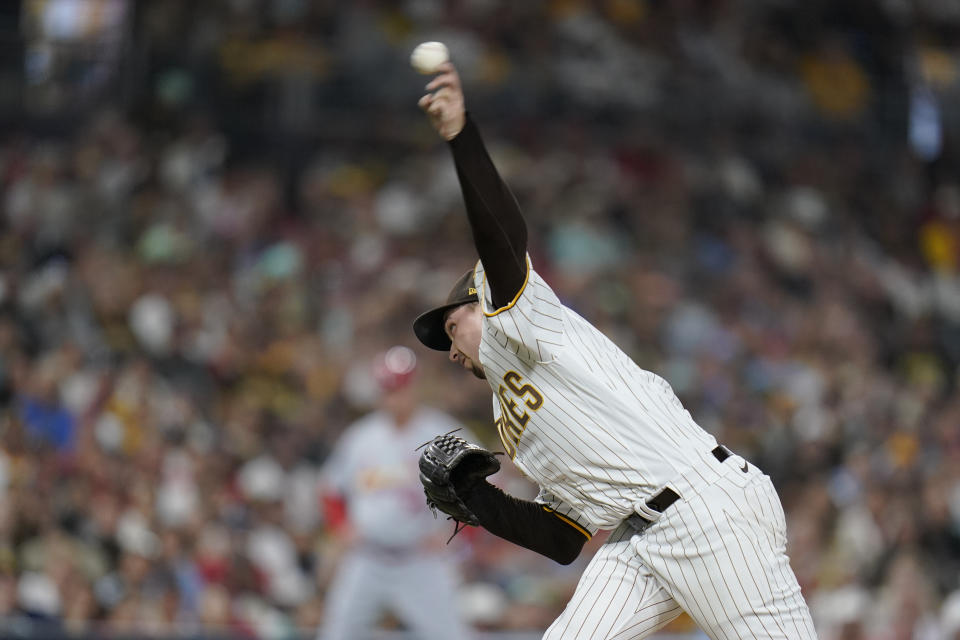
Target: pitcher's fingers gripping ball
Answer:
pixel 449 465
pixel 444 103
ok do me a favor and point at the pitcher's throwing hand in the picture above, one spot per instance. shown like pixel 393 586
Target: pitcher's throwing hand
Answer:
pixel 444 105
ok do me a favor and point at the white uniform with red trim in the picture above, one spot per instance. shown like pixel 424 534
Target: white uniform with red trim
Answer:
pixel 600 436
pixel 398 561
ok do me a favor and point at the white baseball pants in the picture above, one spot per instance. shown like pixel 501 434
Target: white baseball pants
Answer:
pixel 720 555
pixel 419 590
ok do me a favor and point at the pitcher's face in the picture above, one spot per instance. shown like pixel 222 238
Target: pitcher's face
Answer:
pixel 464 327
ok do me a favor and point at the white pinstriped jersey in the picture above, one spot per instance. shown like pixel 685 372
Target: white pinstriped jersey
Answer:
pixel 596 432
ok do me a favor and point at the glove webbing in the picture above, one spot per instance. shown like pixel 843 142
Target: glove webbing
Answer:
pixel 458 526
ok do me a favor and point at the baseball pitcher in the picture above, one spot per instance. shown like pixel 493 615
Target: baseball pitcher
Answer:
pixel 695 527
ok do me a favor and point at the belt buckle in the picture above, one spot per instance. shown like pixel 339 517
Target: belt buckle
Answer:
pixel 645 513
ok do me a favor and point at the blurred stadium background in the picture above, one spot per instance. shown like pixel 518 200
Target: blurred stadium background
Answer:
pixel 213 211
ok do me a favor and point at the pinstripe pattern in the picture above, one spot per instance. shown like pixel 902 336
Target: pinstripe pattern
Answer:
pixel 610 433
pixel 600 435
pixel 722 554
pixel 617 597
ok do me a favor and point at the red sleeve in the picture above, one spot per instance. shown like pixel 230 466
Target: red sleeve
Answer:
pixel 334 510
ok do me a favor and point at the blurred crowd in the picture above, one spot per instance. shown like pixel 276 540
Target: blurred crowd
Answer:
pixel 758 200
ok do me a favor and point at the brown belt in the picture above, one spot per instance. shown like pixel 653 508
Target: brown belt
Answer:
pixel 667 496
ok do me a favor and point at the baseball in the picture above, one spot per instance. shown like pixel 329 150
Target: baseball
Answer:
pixel 427 56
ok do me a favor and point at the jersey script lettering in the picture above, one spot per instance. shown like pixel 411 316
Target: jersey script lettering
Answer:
pixel 513 417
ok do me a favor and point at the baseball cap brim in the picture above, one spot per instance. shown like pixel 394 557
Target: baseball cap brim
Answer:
pixel 428 326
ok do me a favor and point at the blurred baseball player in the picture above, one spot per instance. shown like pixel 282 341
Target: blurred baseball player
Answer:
pixel 396 559
pixel 695 527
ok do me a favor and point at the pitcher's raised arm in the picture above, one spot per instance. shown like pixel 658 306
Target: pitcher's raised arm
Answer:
pixel 499 230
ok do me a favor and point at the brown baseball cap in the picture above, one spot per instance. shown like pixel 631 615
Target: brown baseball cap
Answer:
pixel 429 325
